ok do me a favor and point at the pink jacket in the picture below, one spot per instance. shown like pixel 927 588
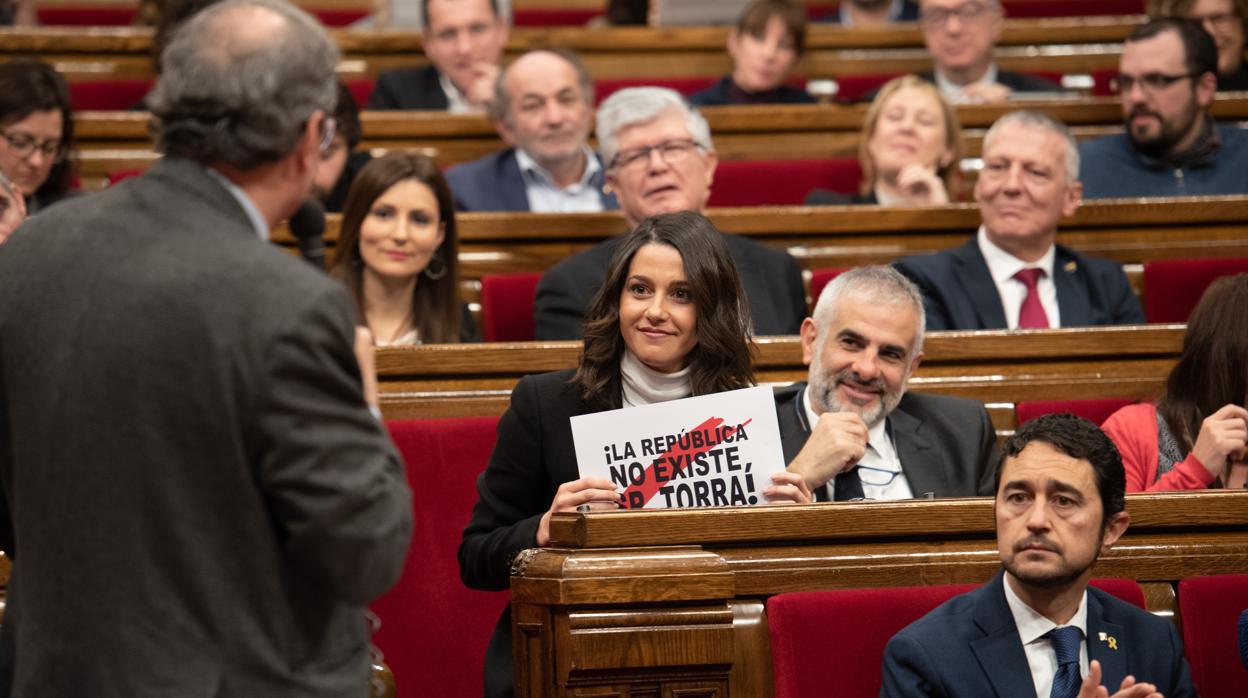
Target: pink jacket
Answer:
pixel 1133 429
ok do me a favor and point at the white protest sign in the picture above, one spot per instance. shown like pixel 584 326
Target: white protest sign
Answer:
pixel 711 450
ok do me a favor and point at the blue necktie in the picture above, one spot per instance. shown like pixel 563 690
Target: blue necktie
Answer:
pixel 1065 643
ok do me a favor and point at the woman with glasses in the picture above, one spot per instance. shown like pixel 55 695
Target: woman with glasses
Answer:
pixel 1226 21
pixel 669 321
pixel 769 38
pixel 397 250
pixel 36 130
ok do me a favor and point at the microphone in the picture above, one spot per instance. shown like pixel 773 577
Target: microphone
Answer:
pixel 1243 638
pixel 307 224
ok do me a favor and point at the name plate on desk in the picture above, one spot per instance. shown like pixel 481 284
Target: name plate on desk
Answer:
pixel 705 451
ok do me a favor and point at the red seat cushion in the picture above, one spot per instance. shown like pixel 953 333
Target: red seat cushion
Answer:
pixel 781 182
pixel 1072 8
pixel 1210 608
pixel 361 89
pixel 433 629
pixel 553 17
pixel 1172 287
pixel 507 306
pixel 108 95
pixel 337 17
pixel 819 278
pixel 87 15
pixel 116 176
pixel 1095 411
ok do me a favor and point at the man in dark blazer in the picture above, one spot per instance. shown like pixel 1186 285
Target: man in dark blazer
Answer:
pixel 853 431
pixel 464 41
pixel 1012 273
pixel 660 159
pixel 1038 629
pixel 196 498
pixel 543 108
pixel 866 13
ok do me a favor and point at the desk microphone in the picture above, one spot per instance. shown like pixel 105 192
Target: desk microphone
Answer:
pixel 307 224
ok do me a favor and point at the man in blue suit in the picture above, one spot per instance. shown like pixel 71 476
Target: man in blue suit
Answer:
pixel 543 108
pixel 1037 628
pixel 1012 274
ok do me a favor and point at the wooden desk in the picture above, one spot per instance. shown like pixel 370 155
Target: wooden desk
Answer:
pixel 659 602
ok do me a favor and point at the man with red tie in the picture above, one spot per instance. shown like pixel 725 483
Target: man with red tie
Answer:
pixel 1012 274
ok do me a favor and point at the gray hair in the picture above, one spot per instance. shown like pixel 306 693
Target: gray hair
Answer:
pixel 882 285
pixel 231 95
pixel 639 105
pixel 502 101
pixel 1036 119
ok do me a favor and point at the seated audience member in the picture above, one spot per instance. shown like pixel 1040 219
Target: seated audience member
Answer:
pixel 872 13
pixel 853 431
pixel 37 125
pixel 767 42
pixel 12 209
pixel 660 160
pixel 1038 628
pixel 1226 21
pixel 544 109
pixel 1172 147
pixel 464 42
pixel 1012 274
pixel 961 36
pixel 340 163
pixel 18 13
pixel 668 322
pixel 396 252
pixel 1194 436
pixel 910 150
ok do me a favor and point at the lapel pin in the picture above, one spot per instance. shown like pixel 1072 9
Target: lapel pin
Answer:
pixel 1070 267
pixel 1103 637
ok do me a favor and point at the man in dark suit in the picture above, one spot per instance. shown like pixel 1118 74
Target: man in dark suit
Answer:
pixel 854 431
pixel 1012 274
pixel 661 160
pixel 464 41
pixel 196 498
pixel 543 108
pixel 1037 628
pixel 872 13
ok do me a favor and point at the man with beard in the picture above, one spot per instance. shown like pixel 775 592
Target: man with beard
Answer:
pixel 852 431
pixel 1167 79
pixel 1037 628
pixel 543 108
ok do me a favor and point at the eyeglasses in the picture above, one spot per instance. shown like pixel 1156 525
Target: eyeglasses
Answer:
pixel 672 152
pixel 1150 82
pixel 938 16
pixel 25 145
pixel 1222 20
pixel 876 477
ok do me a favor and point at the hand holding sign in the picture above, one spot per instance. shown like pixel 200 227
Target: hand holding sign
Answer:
pixel 837 442
pixel 586 490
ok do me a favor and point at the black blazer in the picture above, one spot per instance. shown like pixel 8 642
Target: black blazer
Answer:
pixel 827 197
pixel 969 646
pixel 494 183
pixel 770 278
pixel 408 88
pixel 959 293
pixel 721 93
pixel 946 445
pixel 909 13
pixel 1019 82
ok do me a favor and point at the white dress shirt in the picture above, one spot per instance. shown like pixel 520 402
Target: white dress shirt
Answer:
pixel 456 102
pixel 545 196
pixel 880 453
pixel 953 91
pixel 1040 655
pixel 1003 266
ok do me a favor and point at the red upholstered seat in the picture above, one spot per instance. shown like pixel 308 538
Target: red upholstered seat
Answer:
pixel 809 660
pixel 1104 82
pixel 820 278
pixel 337 17
pixel 361 89
pixel 87 15
pixel 780 182
pixel 1095 411
pixel 507 306
pixel 433 629
pixel 1072 8
pixel 108 95
pixel 116 176
pixel 851 88
pixel 1210 608
pixel 553 16
pixel 1172 287
pixel 685 86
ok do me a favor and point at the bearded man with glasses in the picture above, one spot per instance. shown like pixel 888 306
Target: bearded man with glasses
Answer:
pixel 1167 78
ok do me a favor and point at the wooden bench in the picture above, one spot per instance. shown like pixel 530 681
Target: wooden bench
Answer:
pixel 665 601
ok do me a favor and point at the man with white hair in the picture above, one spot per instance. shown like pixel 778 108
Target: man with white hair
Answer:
pixel 660 160
pixel 1012 274
pixel 852 431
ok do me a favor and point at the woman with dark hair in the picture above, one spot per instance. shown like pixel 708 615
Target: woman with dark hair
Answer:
pixel 1205 396
pixel 396 252
pixel 669 321
pixel 36 132
pixel 769 38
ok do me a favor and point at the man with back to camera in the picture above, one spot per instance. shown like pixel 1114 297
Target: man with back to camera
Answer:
pixel 196 497
pixel 1167 78
pixel 464 41
pixel 1012 274
pixel 870 438
pixel 1037 628
pixel 543 109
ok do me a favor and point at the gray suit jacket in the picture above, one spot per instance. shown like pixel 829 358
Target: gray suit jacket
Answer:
pixel 195 496
pixel 946 445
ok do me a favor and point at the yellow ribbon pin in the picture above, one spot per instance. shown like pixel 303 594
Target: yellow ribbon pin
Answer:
pixel 1109 640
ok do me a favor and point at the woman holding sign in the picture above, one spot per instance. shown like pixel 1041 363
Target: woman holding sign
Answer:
pixel 670 321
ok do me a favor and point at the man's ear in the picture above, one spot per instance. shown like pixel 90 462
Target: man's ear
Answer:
pixel 1206 87
pixel 309 144
pixel 809 333
pixel 1074 197
pixel 1114 529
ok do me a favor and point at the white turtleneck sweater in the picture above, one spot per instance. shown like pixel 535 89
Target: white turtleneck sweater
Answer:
pixel 644 385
